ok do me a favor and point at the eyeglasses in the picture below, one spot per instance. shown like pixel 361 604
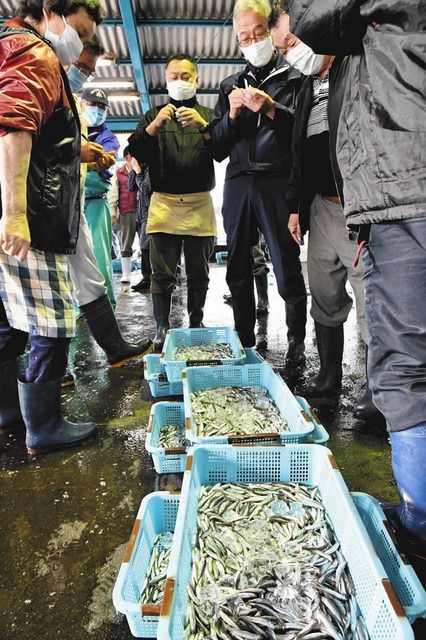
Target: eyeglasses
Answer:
pixel 248 40
pixel 85 71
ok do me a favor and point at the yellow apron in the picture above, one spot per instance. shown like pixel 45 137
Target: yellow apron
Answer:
pixel 187 214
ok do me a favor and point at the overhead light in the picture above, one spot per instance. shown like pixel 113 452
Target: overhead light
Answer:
pixel 127 97
pixel 117 83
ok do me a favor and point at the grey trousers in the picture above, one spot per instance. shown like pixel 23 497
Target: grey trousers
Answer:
pixel 126 231
pixel 89 283
pixel 260 266
pixel 330 264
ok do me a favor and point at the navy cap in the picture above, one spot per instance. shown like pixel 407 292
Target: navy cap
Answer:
pixel 95 95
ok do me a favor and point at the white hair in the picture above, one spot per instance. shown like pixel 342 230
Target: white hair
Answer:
pixel 258 6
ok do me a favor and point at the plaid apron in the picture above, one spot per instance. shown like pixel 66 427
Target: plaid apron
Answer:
pixel 36 294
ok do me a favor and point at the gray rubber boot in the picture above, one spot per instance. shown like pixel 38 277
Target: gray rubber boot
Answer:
pixel 161 303
pixel 46 429
pixel 262 295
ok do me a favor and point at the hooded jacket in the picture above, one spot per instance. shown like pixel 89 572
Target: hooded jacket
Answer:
pixel 35 97
pixel 381 135
pixel 257 144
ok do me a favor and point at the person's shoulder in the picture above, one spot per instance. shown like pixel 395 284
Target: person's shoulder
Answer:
pixel 38 53
pixel 230 81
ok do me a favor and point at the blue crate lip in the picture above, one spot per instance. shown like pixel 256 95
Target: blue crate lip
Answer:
pixel 308 464
pixel 300 424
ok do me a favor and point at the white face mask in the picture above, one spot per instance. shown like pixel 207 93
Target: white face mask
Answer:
pixel 68 45
pixel 259 53
pixel 181 90
pixel 304 59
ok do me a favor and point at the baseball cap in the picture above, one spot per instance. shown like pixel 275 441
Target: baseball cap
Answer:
pixel 95 95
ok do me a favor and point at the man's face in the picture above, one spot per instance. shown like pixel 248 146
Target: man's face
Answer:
pixel 87 63
pixel 283 39
pixel 181 70
pixel 89 103
pixel 250 27
pixel 127 158
pixel 80 21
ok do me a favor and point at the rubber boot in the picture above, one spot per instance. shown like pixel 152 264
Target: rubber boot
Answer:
pixel 196 301
pixel 227 298
pixel 365 409
pixel 296 331
pixel 142 285
pixel 161 303
pixel 408 461
pixel 126 267
pixel 330 350
pixel 10 412
pixel 46 429
pixel 262 295
pixel 103 326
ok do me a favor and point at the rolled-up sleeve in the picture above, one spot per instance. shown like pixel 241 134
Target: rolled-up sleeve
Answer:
pixel 30 84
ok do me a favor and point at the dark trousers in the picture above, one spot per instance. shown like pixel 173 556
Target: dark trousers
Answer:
pixel 252 203
pixel 145 264
pixel 165 250
pixel 47 359
pixel 395 306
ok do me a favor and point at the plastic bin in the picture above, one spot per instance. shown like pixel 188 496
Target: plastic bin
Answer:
pixel 157 514
pixel 191 337
pixel 307 464
pixel 401 574
pixel 165 460
pixel 319 435
pixel 262 375
pixel 221 257
pixel 155 375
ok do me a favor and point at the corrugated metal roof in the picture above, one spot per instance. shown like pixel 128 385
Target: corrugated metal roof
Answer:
pixel 195 9
pixel 161 42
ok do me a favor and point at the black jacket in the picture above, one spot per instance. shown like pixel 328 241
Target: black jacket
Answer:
pixel 257 144
pixel 53 183
pixel 299 194
pixel 179 159
pixel 381 138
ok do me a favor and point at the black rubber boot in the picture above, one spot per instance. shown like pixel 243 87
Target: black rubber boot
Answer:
pixel 365 409
pixel 10 412
pixel 295 316
pixel 196 301
pixel 161 303
pixel 142 285
pixel 262 295
pixel 330 350
pixel 103 326
pixel 46 429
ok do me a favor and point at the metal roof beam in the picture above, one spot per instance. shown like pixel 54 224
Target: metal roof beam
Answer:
pixel 156 62
pixel 129 23
pixel 200 92
pixel 123 123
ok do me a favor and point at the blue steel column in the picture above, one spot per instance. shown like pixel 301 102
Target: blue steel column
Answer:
pixel 129 22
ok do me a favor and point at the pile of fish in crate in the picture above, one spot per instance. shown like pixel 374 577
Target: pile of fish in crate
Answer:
pixel 265 541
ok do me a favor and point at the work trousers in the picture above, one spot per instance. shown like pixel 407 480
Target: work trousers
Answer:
pixel 89 284
pixel 126 228
pixel 330 263
pixel 395 304
pixel 47 359
pixel 260 265
pixel 98 217
pixel 253 203
pixel 145 264
pixel 165 251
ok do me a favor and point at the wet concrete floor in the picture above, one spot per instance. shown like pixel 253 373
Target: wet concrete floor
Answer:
pixel 65 520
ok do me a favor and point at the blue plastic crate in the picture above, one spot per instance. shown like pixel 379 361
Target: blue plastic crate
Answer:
pixel 401 574
pixel 319 435
pixel 307 464
pixel 155 374
pixel 255 375
pixel 165 460
pixel 190 337
pixel 221 257
pixel 157 514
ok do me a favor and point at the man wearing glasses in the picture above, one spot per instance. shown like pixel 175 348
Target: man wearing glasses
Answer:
pixel 253 124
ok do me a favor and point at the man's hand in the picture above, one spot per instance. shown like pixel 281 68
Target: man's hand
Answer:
pixel 90 152
pixel 187 117
pixel 136 166
pixel 105 161
pixel 294 227
pixel 257 100
pixel 235 103
pixel 15 235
